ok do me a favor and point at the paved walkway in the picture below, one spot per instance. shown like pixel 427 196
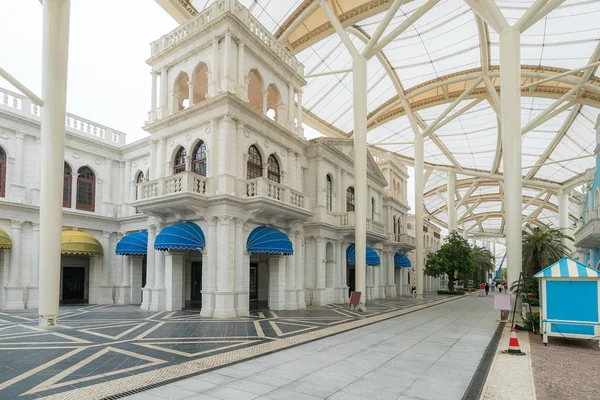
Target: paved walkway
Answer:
pixel 428 354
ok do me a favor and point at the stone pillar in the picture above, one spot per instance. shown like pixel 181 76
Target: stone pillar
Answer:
pixel 191 93
pixel 161 158
pixel 159 290
pixel 319 290
pixel 121 195
pixel 341 191
pixel 290 108
pixel 299 128
pixel 147 290
pixel 242 271
pixel 135 274
pixel 209 270
pixel 299 254
pixel 17 186
pixel 173 281
pixel 106 289
pixel 291 298
pixel 227 83
pixel 213 86
pixel 152 167
pixel 125 292
pixel 33 287
pixel 391 291
pixel 339 287
pixel 130 188
pixel 14 290
pixel 152 114
pixel 276 282
pixel 242 90
pixel 106 189
pixel 226 182
pixel 164 93
pixel 224 297
pixel 345 272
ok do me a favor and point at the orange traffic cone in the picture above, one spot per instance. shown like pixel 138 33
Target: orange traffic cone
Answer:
pixel 513 344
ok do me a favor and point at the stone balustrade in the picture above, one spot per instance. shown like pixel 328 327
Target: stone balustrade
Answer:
pixel 214 11
pixel 264 187
pixel 178 183
pixel 402 238
pixel 18 103
pixel 347 219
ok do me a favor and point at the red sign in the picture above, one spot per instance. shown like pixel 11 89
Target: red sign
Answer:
pixel 354 298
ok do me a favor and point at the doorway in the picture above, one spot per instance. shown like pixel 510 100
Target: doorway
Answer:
pixel 253 281
pixel 196 285
pixel 144 275
pixel 351 276
pixel 73 285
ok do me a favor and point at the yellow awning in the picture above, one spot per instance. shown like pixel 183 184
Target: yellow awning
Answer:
pixel 78 242
pixel 5 242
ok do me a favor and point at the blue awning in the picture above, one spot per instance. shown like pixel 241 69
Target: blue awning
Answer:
pixel 401 261
pixel 180 236
pixel 134 244
pixel 372 256
pixel 567 268
pixel 269 240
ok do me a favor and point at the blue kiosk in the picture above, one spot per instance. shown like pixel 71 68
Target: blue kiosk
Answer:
pixel 569 300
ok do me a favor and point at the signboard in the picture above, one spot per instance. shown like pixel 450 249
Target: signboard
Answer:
pixel 502 302
pixel 354 299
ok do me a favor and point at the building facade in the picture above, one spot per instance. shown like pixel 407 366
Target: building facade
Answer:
pixel 224 206
pixel 433 240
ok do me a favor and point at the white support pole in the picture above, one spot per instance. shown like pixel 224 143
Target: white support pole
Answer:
pixel 510 121
pixel 451 201
pixel 419 240
pixel 563 216
pixel 391 12
pixel 55 50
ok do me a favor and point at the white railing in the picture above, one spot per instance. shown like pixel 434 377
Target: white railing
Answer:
pixel 402 238
pixel 73 123
pixel 178 183
pixel 267 188
pixel 214 11
pixel 347 219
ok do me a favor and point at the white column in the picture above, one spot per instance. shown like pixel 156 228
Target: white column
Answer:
pixel 291 302
pixel 451 202
pixel 152 114
pixel 291 171
pixel 159 291
pixel 299 128
pixel 125 281
pixel 121 195
pixel 55 49
pixel 592 261
pixel 152 173
pixel 510 122
pixel 147 290
pixel 161 158
pixel 14 289
pixel 360 173
pixel 300 265
pixel 227 79
pixel 319 201
pixel 319 289
pixel 106 187
pixel 224 299
pixel 338 274
pixel 164 93
pixel 344 270
pixel 241 80
pixel 129 186
pixel 563 216
pixel 105 286
pixel 265 102
pixel 290 108
pixel 214 76
pixel 74 190
pixel 419 240
pixel 242 305
pixel 33 287
pixel 209 271
pixel 20 159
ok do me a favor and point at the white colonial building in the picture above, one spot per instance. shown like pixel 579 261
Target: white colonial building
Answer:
pixel 225 205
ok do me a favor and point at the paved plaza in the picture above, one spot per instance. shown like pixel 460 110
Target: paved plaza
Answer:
pixel 429 354
pixel 105 344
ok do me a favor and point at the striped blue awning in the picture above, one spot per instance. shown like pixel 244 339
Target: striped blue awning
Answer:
pixel 372 256
pixel 269 240
pixel 568 268
pixel 401 261
pixel 180 236
pixel 134 244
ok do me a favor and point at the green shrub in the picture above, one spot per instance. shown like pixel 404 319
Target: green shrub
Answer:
pixel 532 319
pixel 533 301
pixel 452 293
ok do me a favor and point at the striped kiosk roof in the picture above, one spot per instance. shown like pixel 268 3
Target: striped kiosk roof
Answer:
pixel 568 268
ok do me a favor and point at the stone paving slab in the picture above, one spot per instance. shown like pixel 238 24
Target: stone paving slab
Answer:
pixel 429 354
pixel 102 345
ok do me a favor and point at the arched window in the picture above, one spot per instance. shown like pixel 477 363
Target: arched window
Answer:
pixel 139 179
pixel 86 189
pixel 255 90
pixel 273 172
pixel 373 208
pixel 179 161
pixel 181 92
pixel 350 199
pixel 328 193
pixel 254 164
pixel 395 226
pixel 199 159
pixel 2 172
pixel 67 183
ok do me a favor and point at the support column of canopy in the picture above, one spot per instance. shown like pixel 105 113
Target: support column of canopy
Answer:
pixel 55 50
pixel 510 123
pixel 451 201
pixel 14 289
pixel 419 239
pixel 563 217
pixel 33 294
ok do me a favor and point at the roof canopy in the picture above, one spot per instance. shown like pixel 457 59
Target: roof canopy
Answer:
pixel 446 63
pixel 134 244
pixel 372 256
pixel 264 239
pixel 567 268
pixel 79 243
pixel 180 236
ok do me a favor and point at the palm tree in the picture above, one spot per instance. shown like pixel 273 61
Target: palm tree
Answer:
pixel 542 246
pixel 482 263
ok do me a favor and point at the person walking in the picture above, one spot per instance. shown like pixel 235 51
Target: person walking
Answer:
pixel 414 291
pixel 481 289
pixel 487 288
pixel 500 287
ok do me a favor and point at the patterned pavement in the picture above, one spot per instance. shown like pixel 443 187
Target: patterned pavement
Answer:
pixel 99 351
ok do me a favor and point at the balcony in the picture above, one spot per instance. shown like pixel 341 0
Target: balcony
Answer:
pixel 263 187
pixel 172 185
pixel 347 220
pixel 588 234
pixel 403 239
